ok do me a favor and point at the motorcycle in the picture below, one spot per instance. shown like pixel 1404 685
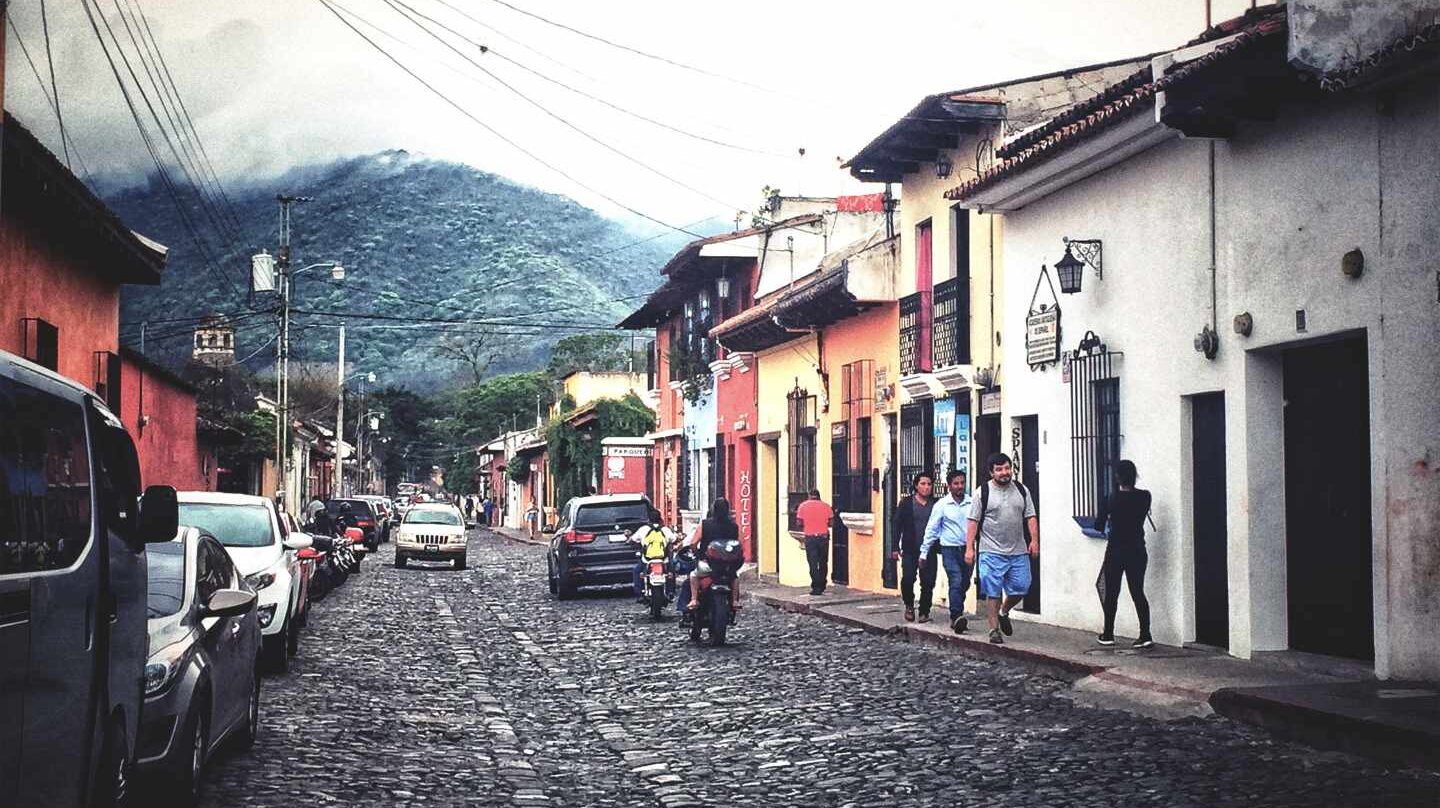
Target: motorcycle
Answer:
pixel 358 547
pixel 715 574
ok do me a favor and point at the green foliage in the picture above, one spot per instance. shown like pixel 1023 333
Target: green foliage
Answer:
pixel 575 453
pixel 477 414
pixel 596 353
pixel 518 471
pixel 692 371
pixel 257 430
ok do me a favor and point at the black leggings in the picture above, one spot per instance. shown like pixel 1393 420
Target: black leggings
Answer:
pixel 1129 561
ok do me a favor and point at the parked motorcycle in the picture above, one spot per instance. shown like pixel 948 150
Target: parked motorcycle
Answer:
pixel 716 574
pixel 358 547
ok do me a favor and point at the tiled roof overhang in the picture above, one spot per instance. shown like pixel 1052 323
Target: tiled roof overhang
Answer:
pixel 754 329
pixel 1411 54
pixel 1119 104
pixel 826 301
pixel 935 124
pixel 40 191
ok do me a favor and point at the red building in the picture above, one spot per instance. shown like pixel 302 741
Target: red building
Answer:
pixel 158 407
pixel 64 256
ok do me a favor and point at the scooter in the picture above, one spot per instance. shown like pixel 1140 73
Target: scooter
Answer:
pixel 716 574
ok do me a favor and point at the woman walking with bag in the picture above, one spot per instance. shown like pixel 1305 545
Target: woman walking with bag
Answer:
pixel 1124 512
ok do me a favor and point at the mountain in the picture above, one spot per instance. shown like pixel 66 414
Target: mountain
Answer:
pixel 421 240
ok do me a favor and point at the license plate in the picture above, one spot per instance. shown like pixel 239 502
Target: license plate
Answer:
pixel 616 538
pixel 657 580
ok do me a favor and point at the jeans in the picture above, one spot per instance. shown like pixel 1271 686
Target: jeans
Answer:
pixel 817 553
pixel 640 568
pixel 1129 561
pixel 959 574
pixel 910 569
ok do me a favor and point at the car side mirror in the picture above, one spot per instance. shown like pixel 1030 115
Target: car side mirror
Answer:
pixel 229 603
pixel 159 514
pixel 298 542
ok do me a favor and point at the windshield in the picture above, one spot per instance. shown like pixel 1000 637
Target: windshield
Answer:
pixel 233 525
pixel 417 517
pixel 166 571
pixel 359 508
pixel 619 513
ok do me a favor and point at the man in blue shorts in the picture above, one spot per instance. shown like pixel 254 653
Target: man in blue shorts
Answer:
pixel 1002 513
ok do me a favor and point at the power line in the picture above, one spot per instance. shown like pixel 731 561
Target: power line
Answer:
pixel 516 42
pixel 397 5
pixel 229 206
pixel 165 180
pixel 656 57
pixel 54 88
pixel 582 93
pixel 84 169
pixel 487 127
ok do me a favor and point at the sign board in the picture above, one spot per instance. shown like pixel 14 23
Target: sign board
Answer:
pixel 962 442
pixel 990 402
pixel 627 451
pixel 839 429
pixel 944 417
pixel 1042 337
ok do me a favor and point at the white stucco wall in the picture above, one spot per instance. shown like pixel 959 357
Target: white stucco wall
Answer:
pixel 1292 197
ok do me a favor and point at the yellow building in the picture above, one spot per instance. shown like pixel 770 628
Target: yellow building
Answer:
pixel 582 387
pixel 951 277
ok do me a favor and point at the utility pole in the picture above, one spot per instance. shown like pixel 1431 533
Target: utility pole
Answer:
pixel 282 262
pixel 340 415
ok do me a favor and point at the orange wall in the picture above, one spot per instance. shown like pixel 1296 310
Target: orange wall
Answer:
pixel 41 282
pixel 169 452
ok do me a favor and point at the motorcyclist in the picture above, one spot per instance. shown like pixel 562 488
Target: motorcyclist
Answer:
pixel 718 526
pixel 654 539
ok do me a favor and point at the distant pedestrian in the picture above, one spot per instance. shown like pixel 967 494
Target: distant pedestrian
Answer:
pixel 1124 512
pixel 910 517
pixel 815 517
pixel 469 509
pixel 532 520
pixel 489 507
pixel 1001 515
pixel 949 525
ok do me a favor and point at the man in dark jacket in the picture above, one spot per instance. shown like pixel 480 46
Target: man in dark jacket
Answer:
pixel 910 516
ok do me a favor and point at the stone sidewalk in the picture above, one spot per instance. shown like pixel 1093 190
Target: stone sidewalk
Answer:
pixel 1338 709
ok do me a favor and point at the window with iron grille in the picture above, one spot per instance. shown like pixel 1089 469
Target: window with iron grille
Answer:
pixel 41 342
pixel 950 335
pixel 1094 427
pixel 801 423
pixel 917 448
pixel 910 334
pixel 857 407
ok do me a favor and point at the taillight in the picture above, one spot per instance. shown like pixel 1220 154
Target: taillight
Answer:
pixel 657 567
pixel 573 536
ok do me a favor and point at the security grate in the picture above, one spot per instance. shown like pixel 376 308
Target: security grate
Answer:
pixel 910 307
pixel 1094 426
pixel 951 332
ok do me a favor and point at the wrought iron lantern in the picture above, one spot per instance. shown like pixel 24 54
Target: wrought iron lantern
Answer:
pixel 1070 271
pixel 943 166
pixel 722 287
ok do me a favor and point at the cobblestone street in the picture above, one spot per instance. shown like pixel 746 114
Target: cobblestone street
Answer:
pixel 428 686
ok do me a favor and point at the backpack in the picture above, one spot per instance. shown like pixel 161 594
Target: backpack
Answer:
pixel 985 506
pixel 654 545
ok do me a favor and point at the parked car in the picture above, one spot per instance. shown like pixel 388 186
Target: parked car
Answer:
pixel 266 556
pixel 72 591
pixel 202 681
pixel 431 532
pixel 307 559
pixel 365 518
pixel 591 546
pixel 385 515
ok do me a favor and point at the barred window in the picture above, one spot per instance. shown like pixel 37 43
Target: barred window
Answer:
pixel 1094 426
pixel 801 425
pixel 852 465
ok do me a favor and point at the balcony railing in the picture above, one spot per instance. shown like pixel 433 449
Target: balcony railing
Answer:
pixel 910 328
pixel 951 332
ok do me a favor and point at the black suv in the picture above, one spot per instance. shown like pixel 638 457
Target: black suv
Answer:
pixel 365 518
pixel 591 545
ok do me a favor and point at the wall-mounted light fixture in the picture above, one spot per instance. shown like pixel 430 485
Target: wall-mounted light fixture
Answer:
pixel 1070 270
pixel 943 166
pixel 722 287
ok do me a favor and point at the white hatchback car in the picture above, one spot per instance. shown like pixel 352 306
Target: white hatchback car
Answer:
pixel 431 532
pixel 264 555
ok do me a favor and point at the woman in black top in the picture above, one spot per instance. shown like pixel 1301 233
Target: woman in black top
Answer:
pixel 718 526
pixel 1125 511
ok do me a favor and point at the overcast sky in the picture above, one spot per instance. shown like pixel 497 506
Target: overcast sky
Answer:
pixel 275 83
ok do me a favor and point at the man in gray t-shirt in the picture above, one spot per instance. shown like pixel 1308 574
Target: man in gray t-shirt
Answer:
pixel 1002 513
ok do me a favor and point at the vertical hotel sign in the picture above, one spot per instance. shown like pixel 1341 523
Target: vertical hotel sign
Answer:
pixel 1042 327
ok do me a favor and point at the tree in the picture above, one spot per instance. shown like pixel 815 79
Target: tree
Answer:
pixel 477 414
pixel 575 453
pixel 473 350
pixel 596 353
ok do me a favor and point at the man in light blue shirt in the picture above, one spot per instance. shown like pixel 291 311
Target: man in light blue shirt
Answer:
pixel 949 523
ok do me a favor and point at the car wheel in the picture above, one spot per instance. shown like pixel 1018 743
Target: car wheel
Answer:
pixel 276 659
pixel 188 763
pixel 550 574
pixel 460 563
pixel 292 637
pixel 115 777
pixel 252 712
pixel 399 561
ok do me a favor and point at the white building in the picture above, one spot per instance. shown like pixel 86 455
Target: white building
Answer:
pixel 1258 333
